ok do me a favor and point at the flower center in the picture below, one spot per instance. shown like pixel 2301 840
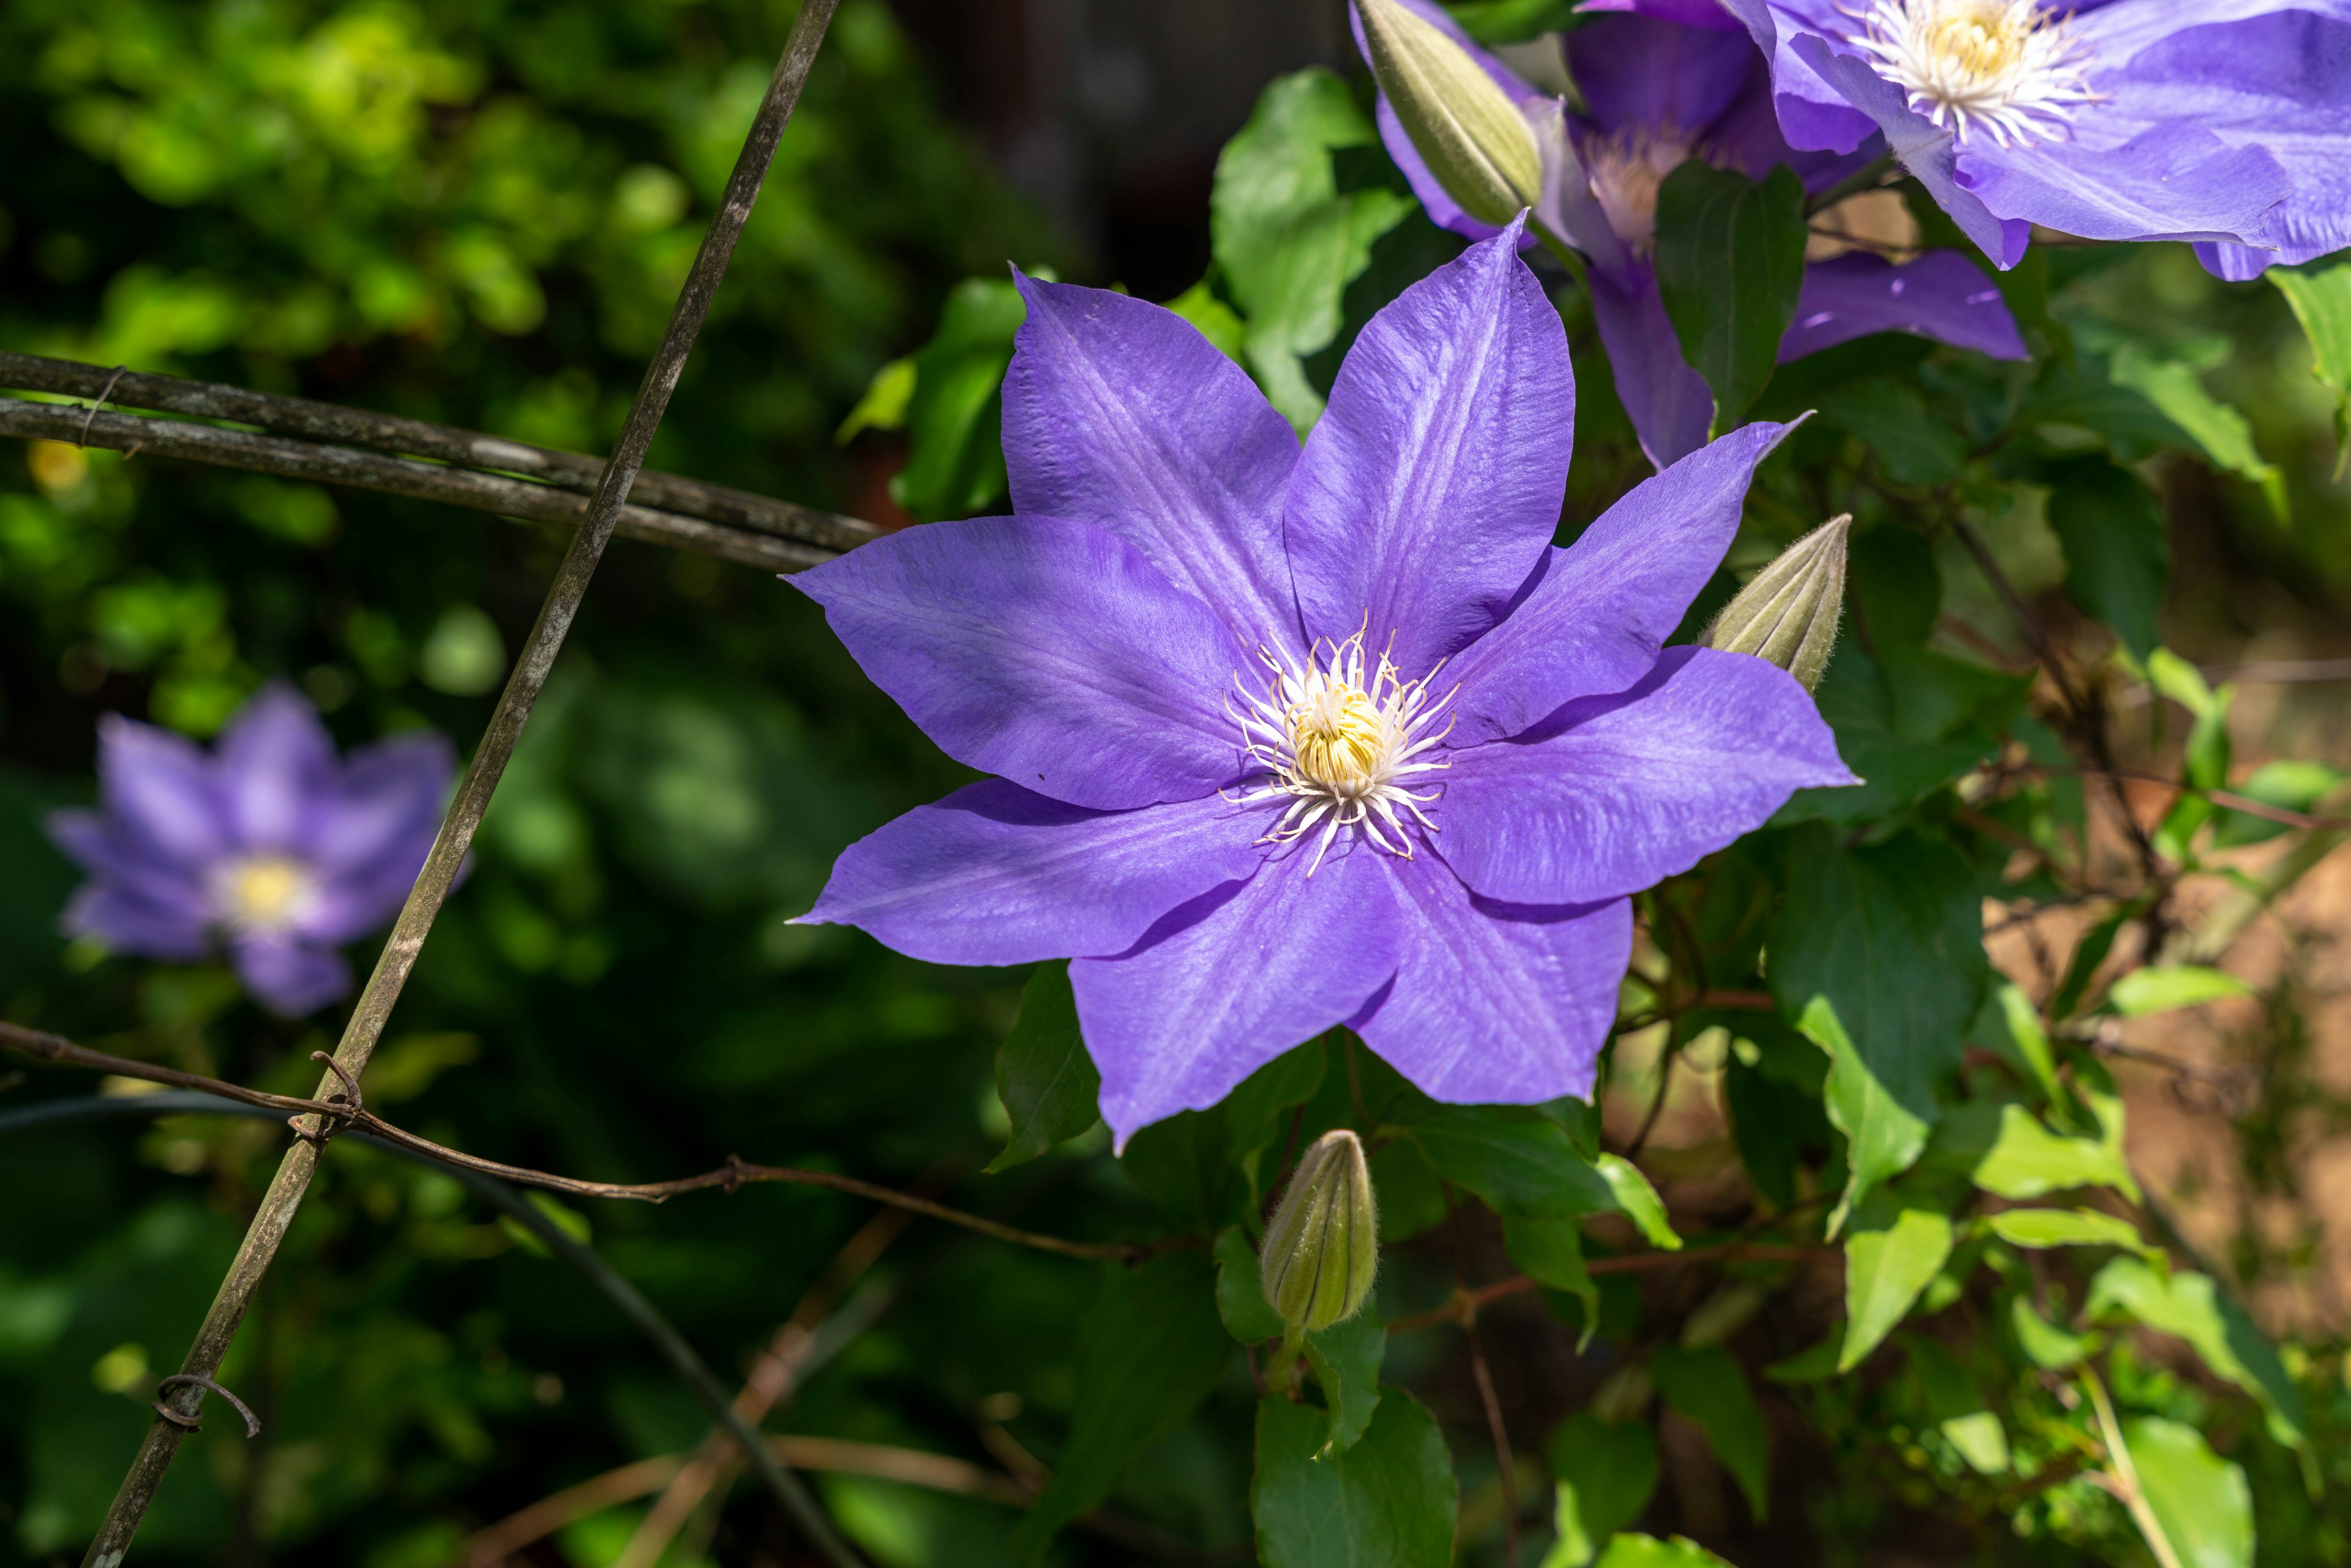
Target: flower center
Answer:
pixel 1337 736
pixel 2004 67
pixel 1625 171
pixel 262 893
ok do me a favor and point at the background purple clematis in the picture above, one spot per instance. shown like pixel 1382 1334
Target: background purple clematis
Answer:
pixel 1194 641
pixel 2223 122
pixel 1657 92
pixel 267 844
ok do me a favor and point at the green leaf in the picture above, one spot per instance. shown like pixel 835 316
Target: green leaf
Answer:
pixel 1912 446
pixel 955 459
pixel 1240 1291
pixel 2289 785
pixel 1980 1440
pixel 1346 1359
pixel 1606 1472
pixel 1043 1075
pixel 2027 1160
pixel 2199 1499
pixel 2028 1040
pixel 1551 1252
pixel 1893 937
pixel 2040 1228
pixel 1516 1158
pixel 1149 1350
pixel 2044 1345
pixel 2144 991
pixel 1707 1386
pixel 2117 555
pixel 1648 1552
pixel 2189 1306
pixel 1492 22
pixel 1387 1502
pixel 883 406
pixel 1638 1200
pixel 1884 1271
pixel 1258 1112
pixel 1730 263
pixel 1906 726
pixel 1217 321
pixel 2320 293
pixel 2218 431
pixel 1286 239
pixel 1882 1138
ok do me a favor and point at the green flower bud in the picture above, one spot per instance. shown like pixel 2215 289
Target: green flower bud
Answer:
pixel 1466 127
pixel 1789 613
pixel 1323 1244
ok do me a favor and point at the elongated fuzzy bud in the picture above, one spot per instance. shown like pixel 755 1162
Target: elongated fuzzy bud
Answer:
pixel 1789 613
pixel 1472 137
pixel 1322 1246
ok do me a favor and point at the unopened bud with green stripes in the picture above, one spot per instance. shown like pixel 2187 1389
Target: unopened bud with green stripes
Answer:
pixel 1465 127
pixel 1788 616
pixel 1322 1245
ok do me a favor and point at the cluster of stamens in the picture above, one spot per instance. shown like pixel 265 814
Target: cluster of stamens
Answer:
pixel 264 892
pixel 1337 736
pixel 1624 171
pixel 2005 67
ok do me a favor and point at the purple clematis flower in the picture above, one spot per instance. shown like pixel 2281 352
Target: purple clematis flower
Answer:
pixel 1656 93
pixel 1287 739
pixel 2223 122
pixel 267 844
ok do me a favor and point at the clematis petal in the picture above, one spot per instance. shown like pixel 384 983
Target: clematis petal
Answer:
pixel 1497 1003
pixel 1050 651
pixel 1118 413
pixel 1433 483
pixel 1942 295
pixel 273 761
pixel 98 844
pixel 1643 73
pixel 1616 793
pixel 1670 405
pixel 384 806
pixel 2172 181
pixel 1813 114
pixel 1233 979
pixel 1594 622
pixel 160 787
pixel 998 875
pixel 127 921
pixel 1707 14
pixel 289 978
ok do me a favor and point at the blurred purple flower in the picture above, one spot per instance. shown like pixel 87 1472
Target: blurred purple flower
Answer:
pixel 2223 122
pixel 1291 739
pixel 267 844
pixel 1656 93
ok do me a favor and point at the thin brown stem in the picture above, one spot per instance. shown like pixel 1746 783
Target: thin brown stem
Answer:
pixel 373 1009
pixel 1470 1302
pixel 338 1114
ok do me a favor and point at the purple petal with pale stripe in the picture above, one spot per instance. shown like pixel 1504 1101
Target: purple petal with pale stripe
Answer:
pixel 159 786
pixel 1615 794
pixel 170 891
pixel 1670 405
pixel 1496 1003
pixel 273 761
pixel 998 875
pixel 1050 652
pixel 2172 181
pixel 1119 414
pixel 1233 979
pixel 1942 295
pixel 1604 607
pixel 1433 483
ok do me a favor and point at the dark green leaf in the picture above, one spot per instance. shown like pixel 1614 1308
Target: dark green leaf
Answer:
pixel 1519 1160
pixel 1907 725
pixel 1149 1350
pixel 1257 1115
pixel 1912 446
pixel 1411 1194
pixel 1730 263
pixel 1893 937
pixel 1240 1291
pixel 1346 1359
pixel 2117 556
pixel 1043 1075
pixel 1707 1386
pixel 1387 1502
pixel 1775 1125
pixel 954 461
pixel 1551 1252
pixel 1897 586
pixel 1605 1472
pixel 1184 1164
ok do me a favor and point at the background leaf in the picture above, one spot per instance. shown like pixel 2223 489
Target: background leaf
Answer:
pixel 1884 1271
pixel 2200 1500
pixel 2117 553
pixel 1043 1075
pixel 1387 1502
pixel 1731 263
pixel 1707 1386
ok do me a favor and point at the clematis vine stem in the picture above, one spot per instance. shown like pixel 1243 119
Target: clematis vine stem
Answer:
pixel 284 1198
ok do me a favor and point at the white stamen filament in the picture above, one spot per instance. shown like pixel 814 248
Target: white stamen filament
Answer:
pixel 1337 736
pixel 1624 171
pixel 2006 68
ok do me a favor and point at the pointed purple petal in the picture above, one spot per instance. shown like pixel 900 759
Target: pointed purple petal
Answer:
pixel 128 923
pixel 1497 1003
pixel 2169 181
pixel 1942 295
pixel 1813 115
pixel 1050 651
pixel 160 787
pixel 1231 981
pixel 383 807
pixel 290 979
pixel 996 874
pixel 1433 483
pixel 273 762
pixel 98 844
pixel 1615 794
pixel 1604 606
pixel 1670 405
pixel 1119 414
pixel 1639 73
